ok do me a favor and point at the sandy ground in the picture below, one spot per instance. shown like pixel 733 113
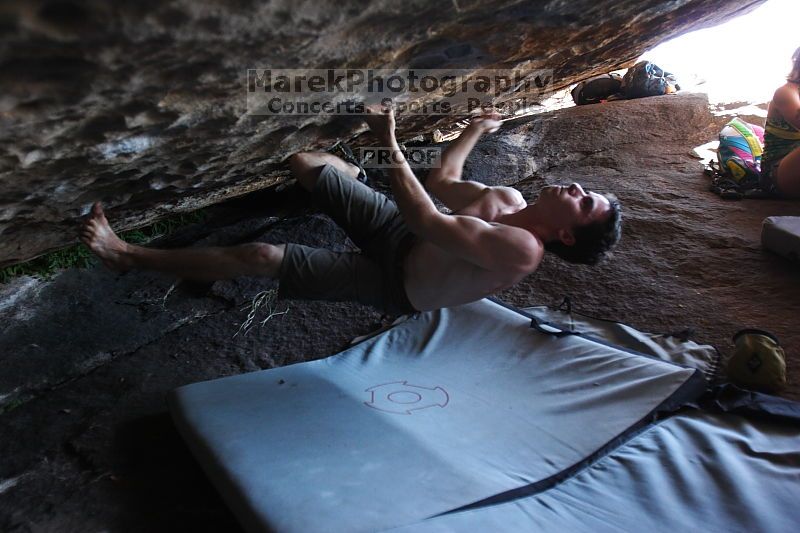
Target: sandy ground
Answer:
pixel 88 356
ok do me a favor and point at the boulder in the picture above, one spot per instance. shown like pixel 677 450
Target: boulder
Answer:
pixel 142 105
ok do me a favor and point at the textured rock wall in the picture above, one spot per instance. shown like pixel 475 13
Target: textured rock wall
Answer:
pixel 142 104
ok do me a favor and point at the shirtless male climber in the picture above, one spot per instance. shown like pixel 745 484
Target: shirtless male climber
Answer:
pixel 412 257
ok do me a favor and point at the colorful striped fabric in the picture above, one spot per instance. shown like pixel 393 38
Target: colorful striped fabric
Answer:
pixel 740 150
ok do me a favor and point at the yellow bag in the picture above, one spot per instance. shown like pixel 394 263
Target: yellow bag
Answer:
pixel 758 361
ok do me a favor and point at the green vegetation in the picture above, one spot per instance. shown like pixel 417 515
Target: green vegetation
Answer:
pixel 46 265
pixel 80 257
pixel 11 405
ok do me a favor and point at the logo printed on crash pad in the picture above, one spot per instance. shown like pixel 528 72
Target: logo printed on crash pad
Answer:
pixel 403 398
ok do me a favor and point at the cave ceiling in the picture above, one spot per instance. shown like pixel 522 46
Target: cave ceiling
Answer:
pixel 144 105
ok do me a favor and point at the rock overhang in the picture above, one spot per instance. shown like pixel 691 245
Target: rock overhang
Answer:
pixel 143 106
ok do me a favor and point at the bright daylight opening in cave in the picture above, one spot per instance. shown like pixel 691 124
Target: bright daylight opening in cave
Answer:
pixel 743 60
pixel 738 64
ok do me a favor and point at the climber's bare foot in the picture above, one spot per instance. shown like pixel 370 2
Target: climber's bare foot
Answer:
pixel 103 242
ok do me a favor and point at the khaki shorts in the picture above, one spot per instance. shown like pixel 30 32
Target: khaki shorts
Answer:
pixel 373 276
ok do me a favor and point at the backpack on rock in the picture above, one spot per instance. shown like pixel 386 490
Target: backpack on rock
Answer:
pixel 647 79
pixel 595 90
